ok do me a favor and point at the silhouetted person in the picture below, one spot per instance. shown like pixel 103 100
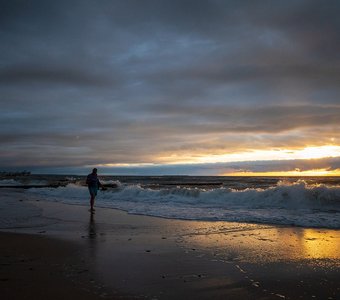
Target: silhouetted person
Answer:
pixel 93 184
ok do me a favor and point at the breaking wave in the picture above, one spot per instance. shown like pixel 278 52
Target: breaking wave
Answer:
pixel 296 203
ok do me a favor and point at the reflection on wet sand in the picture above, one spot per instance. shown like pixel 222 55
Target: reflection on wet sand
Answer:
pixel 262 243
pixel 321 244
pixel 92 234
pixel 92 227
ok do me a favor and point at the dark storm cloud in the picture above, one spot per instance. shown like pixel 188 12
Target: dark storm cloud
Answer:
pixel 54 75
pixel 86 82
pixel 248 119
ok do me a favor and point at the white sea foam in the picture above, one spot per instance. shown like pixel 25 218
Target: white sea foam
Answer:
pixel 8 182
pixel 287 203
pixel 110 182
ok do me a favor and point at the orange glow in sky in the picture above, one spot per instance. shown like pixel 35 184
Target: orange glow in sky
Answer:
pixel 316 172
pixel 307 153
pixel 279 154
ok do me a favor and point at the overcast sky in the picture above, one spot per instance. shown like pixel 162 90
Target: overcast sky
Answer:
pixel 87 83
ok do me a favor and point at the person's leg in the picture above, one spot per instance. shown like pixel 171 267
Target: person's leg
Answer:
pixel 93 195
pixel 92 202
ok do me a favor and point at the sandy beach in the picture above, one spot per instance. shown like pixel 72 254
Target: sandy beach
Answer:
pixel 53 250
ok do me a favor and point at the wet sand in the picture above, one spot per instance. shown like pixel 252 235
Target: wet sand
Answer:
pixel 36 267
pixel 52 250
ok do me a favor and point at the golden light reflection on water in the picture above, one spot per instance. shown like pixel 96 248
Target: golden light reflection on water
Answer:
pixel 262 243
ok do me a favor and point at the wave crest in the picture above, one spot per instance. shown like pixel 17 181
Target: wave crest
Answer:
pixel 296 203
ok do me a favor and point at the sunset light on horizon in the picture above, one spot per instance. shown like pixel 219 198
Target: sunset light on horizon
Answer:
pixel 308 154
pixel 294 173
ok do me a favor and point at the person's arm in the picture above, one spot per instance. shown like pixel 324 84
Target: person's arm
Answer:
pixel 87 180
pixel 99 183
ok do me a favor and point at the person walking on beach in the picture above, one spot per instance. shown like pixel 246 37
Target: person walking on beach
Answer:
pixel 93 184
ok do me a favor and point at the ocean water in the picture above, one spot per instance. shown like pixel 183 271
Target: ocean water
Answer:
pixel 307 202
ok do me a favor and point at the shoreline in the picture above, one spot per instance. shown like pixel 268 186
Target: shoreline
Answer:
pixel 155 258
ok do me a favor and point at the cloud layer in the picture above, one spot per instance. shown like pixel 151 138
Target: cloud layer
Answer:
pixel 85 82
